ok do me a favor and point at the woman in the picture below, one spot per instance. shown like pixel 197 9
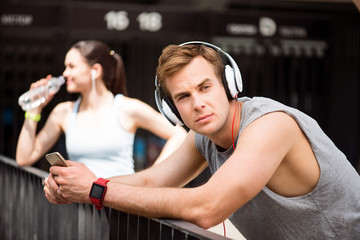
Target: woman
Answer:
pixel 100 125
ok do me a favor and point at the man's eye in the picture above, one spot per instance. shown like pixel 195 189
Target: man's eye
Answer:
pixel 181 97
pixel 205 87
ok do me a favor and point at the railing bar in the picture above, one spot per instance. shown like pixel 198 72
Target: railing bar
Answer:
pixel 26 208
pixel 81 223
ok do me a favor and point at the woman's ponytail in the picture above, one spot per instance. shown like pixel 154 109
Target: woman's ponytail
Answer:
pixel 119 80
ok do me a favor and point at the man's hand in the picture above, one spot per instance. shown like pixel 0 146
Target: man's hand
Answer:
pixel 69 184
pixel 51 190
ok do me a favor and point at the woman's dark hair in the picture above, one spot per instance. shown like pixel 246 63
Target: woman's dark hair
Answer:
pixel 113 66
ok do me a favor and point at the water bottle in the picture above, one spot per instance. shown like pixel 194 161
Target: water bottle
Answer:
pixel 36 96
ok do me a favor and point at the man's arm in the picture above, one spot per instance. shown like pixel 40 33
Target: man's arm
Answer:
pixel 259 152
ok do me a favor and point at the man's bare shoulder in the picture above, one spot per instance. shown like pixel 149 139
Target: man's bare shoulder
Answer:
pixel 277 119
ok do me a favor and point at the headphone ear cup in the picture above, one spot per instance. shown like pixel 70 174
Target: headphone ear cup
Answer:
pixel 229 82
pixel 170 112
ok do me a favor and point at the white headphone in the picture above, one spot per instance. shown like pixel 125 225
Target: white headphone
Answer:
pixel 231 79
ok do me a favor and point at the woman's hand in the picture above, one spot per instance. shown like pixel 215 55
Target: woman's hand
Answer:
pixel 43 82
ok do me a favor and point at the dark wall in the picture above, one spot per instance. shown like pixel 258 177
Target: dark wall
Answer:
pixel 310 61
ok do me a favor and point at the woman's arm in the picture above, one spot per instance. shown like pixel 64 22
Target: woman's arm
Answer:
pixel 32 146
pixel 147 118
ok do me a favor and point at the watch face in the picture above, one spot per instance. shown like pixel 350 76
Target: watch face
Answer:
pixel 97 191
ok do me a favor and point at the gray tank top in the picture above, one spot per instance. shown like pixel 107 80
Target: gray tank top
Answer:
pixel 330 211
pixel 106 150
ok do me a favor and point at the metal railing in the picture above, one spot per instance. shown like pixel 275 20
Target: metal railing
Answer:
pixel 26 214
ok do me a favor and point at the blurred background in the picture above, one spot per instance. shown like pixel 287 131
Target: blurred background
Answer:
pixel 305 54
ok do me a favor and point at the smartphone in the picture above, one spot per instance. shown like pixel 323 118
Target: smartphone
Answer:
pixel 55 159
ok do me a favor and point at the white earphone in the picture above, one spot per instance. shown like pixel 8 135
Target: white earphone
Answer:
pixel 93 74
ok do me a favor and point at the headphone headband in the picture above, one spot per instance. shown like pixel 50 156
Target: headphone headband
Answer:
pixel 238 79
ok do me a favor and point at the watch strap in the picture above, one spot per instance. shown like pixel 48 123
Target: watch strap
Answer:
pixel 102 181
pixel 97 201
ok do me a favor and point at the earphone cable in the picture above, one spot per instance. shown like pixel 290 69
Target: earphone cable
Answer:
pixel 233 123
pixel 233 144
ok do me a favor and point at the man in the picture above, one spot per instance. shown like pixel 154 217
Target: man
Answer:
pixel 276 175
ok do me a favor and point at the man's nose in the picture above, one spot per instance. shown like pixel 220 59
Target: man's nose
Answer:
pixel 198 102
